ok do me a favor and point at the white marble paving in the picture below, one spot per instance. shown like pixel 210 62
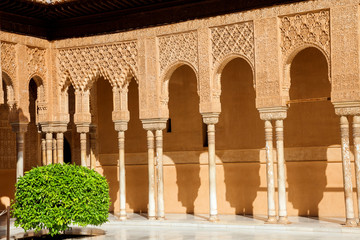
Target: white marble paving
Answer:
pixel 186 226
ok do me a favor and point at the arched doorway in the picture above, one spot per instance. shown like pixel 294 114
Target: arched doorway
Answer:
pixel 67 151
pixel 311 130
pixel 32 136
pixel 239 138
pixel 71 136
pixel 183 144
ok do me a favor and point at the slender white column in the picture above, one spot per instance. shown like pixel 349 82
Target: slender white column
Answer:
pixel 279 129
pixel 54 145
pixel 356 137
pixel 270 172
pixel 348 189
pixel 93 150
pixel 160 180
pixel 121 139
pixel 60 147
pixel 49 159
pixel 212 172
pixel 20 154
pixel 83 148
pixel 43 151
pixel 151 173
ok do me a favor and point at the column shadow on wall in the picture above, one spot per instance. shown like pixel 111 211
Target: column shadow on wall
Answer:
pixel 310 128
pixel 188 182
pixel 239 136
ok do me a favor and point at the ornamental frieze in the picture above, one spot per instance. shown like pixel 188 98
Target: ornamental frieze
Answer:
pixel 114 62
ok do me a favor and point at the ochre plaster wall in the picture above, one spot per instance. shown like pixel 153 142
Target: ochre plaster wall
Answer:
pixel 314 173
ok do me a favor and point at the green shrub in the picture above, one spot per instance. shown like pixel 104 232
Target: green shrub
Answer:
pixel 55 196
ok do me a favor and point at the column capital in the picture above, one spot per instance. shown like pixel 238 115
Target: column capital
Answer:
pixel 347 108
pixel 19 127
pixel 83 127
pixel 121 125
pixel 154 123
pixel 211 118
pixel 273 113
pixel 54 126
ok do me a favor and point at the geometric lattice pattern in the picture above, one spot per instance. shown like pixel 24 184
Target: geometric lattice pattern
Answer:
pixel 114 62
pixel 178 47
pixel 311 28
pixel 236 38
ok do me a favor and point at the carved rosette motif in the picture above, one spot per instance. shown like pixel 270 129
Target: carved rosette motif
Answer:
pixel 178 47
pixel 115 62
pixel 36 62
pixel 8 64
pixel 233 39
pixel 308 28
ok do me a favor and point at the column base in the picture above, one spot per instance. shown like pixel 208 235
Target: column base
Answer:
pixel 160 218
pixel 213 218
pixel 271 220
pixel 283 220
pixel 122 217
pixel 151 218
pixel 351 222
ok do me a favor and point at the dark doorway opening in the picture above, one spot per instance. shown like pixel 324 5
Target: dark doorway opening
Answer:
pixel 67 151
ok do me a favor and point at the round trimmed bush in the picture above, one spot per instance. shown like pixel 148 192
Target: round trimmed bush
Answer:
pixel 54 196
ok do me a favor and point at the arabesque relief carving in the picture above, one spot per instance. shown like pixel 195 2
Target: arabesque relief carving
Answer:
pixel 307 28
pixel 178 47
pixel 233 39
pixel 36 62
pixel 114 62
pixel 8 54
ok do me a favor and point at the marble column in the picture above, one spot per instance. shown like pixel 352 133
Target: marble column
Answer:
pixel 20 154
pixel 60 147
pixel 348 189
pixel 43 151
pixel 356 138
pixel 279 129
pixel 212 172
pixel 93 148
pixel 49 139
pixel 210 119
pixel 270 172
pixel 121 139
pixel 83 145
pixel 54 146
pixel 151 173
pixel 159 176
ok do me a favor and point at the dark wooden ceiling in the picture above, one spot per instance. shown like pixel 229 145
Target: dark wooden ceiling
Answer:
pixel 90 17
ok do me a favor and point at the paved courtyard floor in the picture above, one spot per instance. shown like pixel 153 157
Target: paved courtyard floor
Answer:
pixel 185 226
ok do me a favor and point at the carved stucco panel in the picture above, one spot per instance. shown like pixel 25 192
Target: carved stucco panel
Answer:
pixel 36 64
pixel 178 47
pixel 232 39
pixel 8 61
pixel 306 28
pixel 114 62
